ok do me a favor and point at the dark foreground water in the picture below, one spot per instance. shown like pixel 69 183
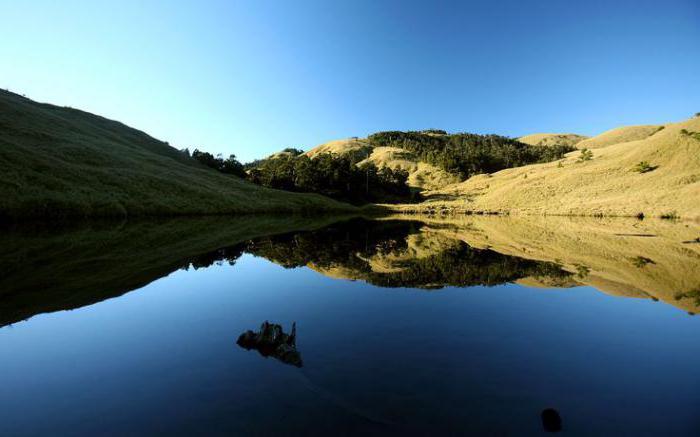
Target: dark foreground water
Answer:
pixel 152 348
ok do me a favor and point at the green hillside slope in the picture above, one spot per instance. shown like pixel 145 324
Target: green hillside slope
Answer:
pixel 60 162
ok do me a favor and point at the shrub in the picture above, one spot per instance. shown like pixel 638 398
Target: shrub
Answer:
pixel 582 271
pixel 586 155
pixel 644 167
pixel 641 261
pixel 672 215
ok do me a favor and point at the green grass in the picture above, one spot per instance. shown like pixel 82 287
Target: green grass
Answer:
pixel 62 162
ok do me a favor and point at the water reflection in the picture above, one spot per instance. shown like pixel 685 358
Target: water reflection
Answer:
pixel 271 341
pixel 473 360
pixel 43 270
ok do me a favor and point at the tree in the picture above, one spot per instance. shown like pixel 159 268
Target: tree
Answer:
pixel 586 155
pixel 228 166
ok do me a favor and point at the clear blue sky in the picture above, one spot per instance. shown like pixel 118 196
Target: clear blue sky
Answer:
pixel 252 77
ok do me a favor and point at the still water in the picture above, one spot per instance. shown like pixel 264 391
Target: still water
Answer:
pixel 400 328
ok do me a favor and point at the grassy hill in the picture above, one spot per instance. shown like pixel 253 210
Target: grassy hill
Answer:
pixel 421 175
pixel 434 159
pixel 610 183
pixel 58 162
pixel 552 139
pixel 619 135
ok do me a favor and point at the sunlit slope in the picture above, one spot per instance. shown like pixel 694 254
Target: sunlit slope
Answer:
pixel 607 184
pixel 652 259
pixel 548 139
pixel 618 135
pixel 57 161
pixel 420 174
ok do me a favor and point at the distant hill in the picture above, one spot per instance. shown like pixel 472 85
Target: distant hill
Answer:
pixel 552 139
pixel 435 159
pixel 58 161
pixel 421 175
pixel 619 135
pixel 658 175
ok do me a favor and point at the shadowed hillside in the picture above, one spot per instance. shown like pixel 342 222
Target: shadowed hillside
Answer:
pixel 57 161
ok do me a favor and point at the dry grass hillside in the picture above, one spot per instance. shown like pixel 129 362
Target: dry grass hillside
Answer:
pixel 610 183
pixel 619 135
pixel 552 139
pixel 421 175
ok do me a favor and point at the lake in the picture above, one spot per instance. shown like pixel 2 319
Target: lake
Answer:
pixel 395 326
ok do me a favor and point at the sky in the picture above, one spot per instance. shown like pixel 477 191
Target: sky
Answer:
pixel 253 77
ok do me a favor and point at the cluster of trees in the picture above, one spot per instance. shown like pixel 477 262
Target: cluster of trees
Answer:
pixel 289 151
pixel 469 154
pixel 334 176
pixel 228 166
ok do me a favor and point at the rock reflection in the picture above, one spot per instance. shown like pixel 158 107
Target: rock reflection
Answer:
pixel 271 341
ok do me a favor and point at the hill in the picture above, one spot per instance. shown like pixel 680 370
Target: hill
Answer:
pixel 619 135
pixel 58 161
pixel 434 159
pixel 610 183
pixel 552 139
pixel 421 175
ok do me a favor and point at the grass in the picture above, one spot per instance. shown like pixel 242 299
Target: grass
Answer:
pixel 62 162
pixel 604 185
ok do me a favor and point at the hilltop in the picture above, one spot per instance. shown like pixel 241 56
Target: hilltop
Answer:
pixel 619 135
pixel 59 161
pixel 552 139
pixel 658 175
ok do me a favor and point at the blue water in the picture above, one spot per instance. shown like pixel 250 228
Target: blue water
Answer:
pixel 163 359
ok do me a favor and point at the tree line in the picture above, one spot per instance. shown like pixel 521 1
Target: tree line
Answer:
pixel 338 177
pixel 467 154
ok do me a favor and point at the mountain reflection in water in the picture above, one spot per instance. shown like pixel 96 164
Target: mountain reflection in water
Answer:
pixel 44 270
pixel 386 350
